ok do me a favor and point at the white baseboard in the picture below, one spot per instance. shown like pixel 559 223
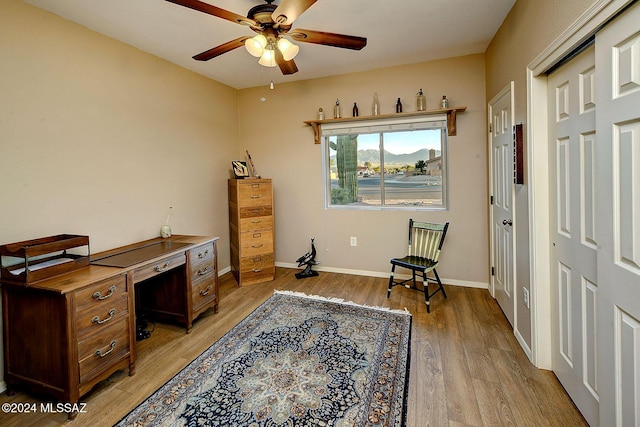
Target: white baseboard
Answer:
pixel 368 273
pixel 3 386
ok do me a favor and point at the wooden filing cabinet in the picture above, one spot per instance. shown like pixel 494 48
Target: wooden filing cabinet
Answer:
pixel 251 230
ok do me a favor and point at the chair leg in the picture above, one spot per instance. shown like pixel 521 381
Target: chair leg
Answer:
pixel 413 272
pixel 425 285
pixel 435 273
pixel 393 269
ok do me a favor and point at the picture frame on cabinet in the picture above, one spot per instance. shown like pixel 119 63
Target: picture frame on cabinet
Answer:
pixel 240 169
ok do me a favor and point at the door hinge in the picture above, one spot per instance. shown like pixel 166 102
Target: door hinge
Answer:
pixel 493 271
pixel 491 200
pixel 490 127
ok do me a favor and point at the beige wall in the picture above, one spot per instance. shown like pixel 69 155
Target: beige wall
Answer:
pixel 529 28
pixel 283 149
pixel 99 138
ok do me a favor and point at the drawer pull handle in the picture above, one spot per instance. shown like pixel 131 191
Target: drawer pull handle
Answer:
pixel 100 297
pixel 96 319
pixel 203 271
pixel 256 196
pixel 205 292
pixel 99 352
pixel 259 245
pixel 202 255
pixel 256 221
pixel 161 268
pixel 257 270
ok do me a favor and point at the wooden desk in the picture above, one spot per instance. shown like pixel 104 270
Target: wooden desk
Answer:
pixel 64 334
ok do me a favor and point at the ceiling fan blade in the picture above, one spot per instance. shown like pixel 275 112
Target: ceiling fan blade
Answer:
pixel 329 39
pixel 215 11
pixel 219 50
pixel 287 67
pixel 288 10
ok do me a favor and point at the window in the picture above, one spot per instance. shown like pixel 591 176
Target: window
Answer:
pixel 390 163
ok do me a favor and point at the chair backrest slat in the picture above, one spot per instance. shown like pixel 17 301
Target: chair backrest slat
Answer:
pixel 426 239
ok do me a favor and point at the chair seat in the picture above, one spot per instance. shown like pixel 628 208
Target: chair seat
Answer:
pixel 415 263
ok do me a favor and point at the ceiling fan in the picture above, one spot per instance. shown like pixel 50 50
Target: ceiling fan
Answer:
pixel 271 23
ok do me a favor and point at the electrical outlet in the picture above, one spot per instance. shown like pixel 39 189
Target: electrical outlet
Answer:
pixel 525 296
pixel 353 241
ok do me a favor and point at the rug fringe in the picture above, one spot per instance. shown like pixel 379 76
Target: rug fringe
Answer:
pixel 341 301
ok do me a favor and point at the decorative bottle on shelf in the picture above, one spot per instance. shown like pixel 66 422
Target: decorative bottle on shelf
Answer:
pixel 398 106
pixel 320 114
pixel 375 108
pixel 421 101
pixel 355 110
pixel 444 103
pixel 336 110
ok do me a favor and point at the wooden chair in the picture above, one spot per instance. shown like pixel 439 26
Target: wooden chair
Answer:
pixel 425 244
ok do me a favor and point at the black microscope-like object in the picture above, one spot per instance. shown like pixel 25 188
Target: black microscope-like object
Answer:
pixel 308 259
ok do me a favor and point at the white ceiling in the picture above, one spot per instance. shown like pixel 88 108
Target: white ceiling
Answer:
pixel 397 31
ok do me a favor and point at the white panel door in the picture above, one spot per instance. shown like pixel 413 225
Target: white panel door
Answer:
pixel 574 285
pixel 618 171
pixel 502 187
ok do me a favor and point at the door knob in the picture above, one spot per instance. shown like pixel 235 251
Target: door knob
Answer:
pixel 507 222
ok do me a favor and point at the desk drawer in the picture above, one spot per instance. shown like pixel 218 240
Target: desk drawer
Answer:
pixel 203 292
pixel 100 315
pixel 101 294
pixel 98 351
pixel 158 267
pixel 202 253
pixel 256 243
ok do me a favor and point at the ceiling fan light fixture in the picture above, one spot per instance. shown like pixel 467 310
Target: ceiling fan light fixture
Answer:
pixel 268 58
pixel 288 49
pixel 255 45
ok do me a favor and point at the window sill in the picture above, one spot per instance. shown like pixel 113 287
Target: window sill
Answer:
pixel 450 112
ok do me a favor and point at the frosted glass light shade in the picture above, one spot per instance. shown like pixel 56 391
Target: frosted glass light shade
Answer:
pixel 255 45
pixel 268 58
pixel 288 49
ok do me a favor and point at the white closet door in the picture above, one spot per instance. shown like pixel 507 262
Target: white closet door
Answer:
pixel 618 215
pixel 573 229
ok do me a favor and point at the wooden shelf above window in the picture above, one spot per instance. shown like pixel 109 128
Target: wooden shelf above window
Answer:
pixel 450 112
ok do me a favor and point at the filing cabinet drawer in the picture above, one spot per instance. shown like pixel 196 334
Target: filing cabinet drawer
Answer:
pixel 256 223
pixel 254 194
pixel 256 243
pixel 255 211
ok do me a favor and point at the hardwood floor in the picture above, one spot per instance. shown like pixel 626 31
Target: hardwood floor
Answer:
pixel 466 367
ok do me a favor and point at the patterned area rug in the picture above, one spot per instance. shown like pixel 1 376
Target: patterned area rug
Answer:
pixel 297 360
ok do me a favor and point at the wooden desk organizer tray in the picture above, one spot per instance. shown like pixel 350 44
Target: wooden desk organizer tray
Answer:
pixel 37 259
